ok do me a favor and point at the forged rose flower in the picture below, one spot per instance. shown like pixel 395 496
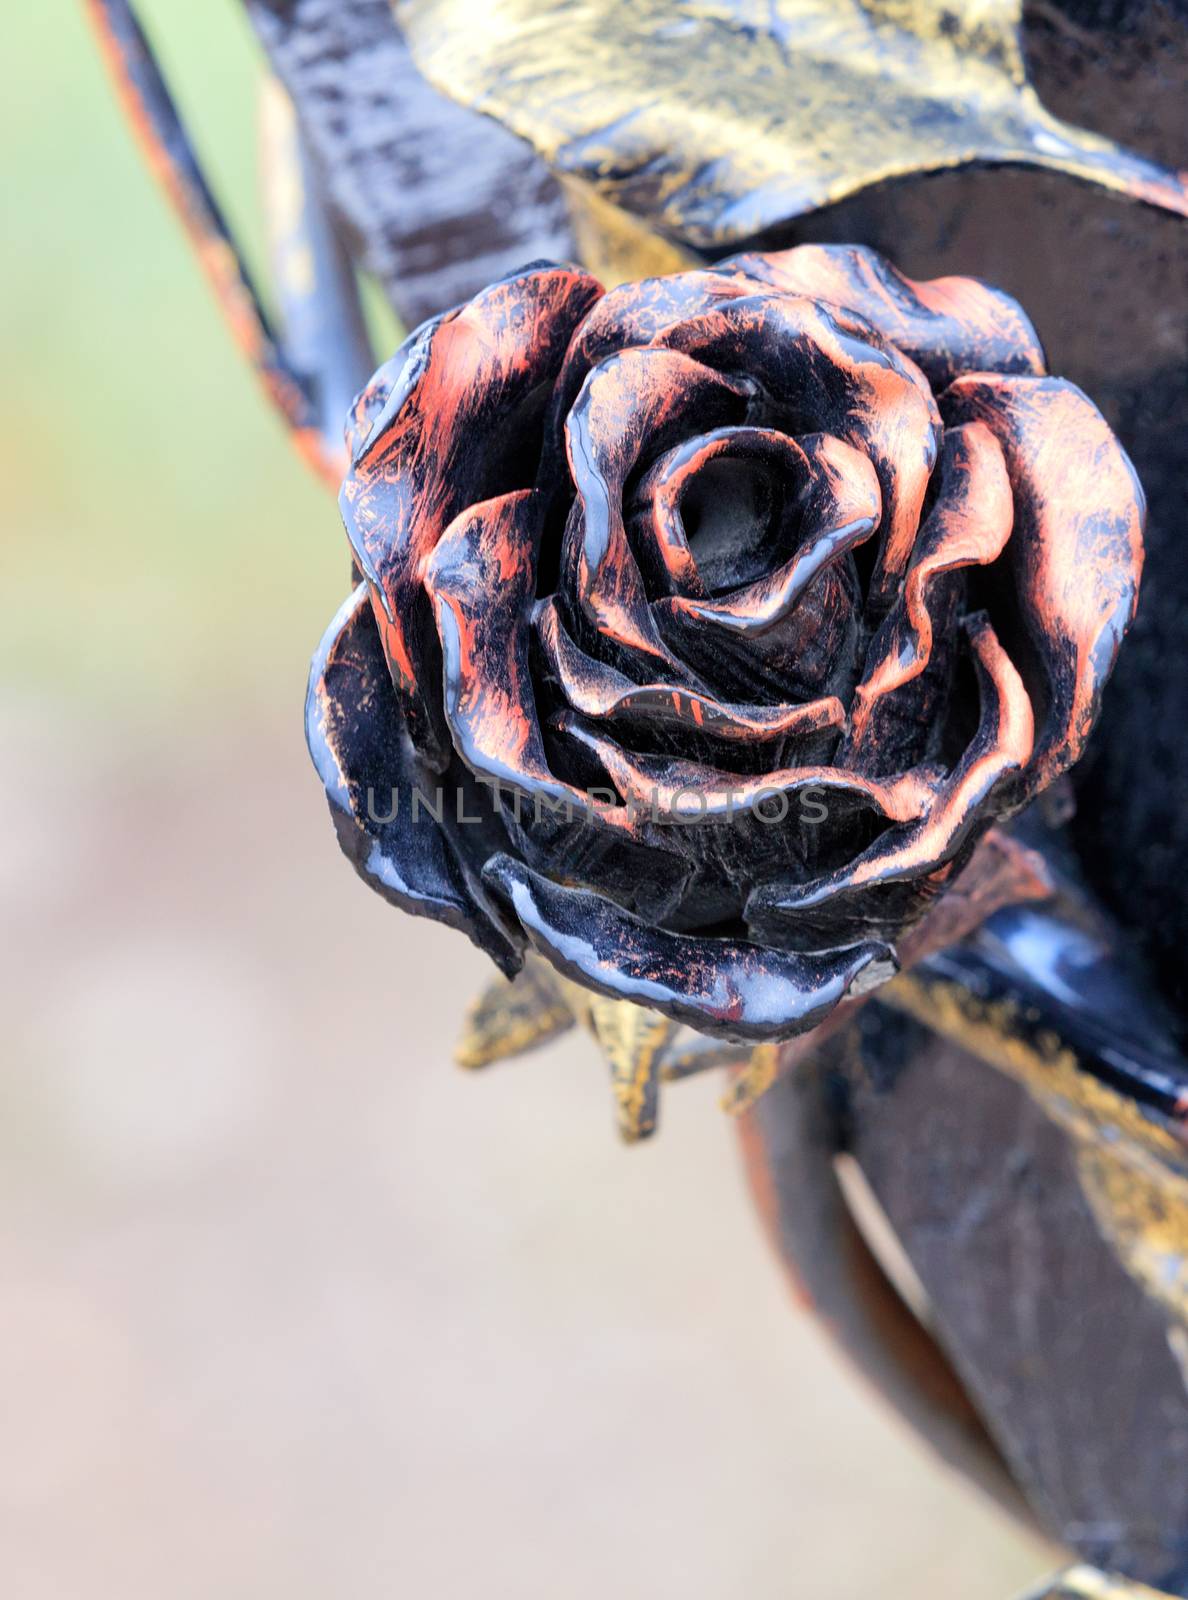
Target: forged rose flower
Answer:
pixel 705 625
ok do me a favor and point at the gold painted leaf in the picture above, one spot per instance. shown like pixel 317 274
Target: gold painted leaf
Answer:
pixel 615 246
pixel 634 1041
pixel 716 119
pixel 752 1080
pixel 511 1017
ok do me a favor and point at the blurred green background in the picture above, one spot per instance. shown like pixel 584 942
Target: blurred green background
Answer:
pixel 288 1306
pixel 157 524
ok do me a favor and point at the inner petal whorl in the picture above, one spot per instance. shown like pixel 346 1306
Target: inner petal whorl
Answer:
pixel 718 510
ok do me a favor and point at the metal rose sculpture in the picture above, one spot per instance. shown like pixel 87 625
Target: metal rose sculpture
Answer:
pixel 815 551
pixel 705 625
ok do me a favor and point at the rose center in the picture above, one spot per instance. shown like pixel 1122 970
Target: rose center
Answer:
pixel 733 514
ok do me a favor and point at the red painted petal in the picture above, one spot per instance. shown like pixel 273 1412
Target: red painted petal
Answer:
pixel 633 315
pixel 638 399
pixel 1076 555
pixel 830 372
pixel 969 525
pixel 373 398
pixel 450 434
pixel 673 791
pixel 371 774
pixel 597 690
pixel 481 580
pixel 946 325
pixel 720 986
pixel 842 509
pixel 1002 747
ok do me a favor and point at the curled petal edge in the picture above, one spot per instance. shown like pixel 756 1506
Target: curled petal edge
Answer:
pixel 419 457
pixel 882 402
pixel 480 578
pixel 1077 551
pixel 843 507
pixel 667 480
pixel 1000 750
pixel 725 987
pixel 598 691
pixel 674 791
pixel 415 867
pixel 947 326
pixel 969 525
pixel 630 396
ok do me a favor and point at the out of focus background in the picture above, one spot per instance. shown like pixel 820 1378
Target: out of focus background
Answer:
pixel 290 1305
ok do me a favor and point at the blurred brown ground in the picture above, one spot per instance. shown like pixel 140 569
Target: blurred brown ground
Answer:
pixel 288 1304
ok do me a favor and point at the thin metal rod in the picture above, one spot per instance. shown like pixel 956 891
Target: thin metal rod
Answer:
pixel 153 114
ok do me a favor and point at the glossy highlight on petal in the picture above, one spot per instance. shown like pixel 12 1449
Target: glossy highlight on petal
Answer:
pixel 371 773
pixel 719 986
pixel 1076 556
pixel 1001 748
pixel 970 524
pixel 376 395
pixel 844 504
pixel 447 435
pixel 599 691
pixel 947 326
pixel 631 400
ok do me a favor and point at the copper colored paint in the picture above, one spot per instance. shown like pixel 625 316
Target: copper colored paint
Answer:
pixel 796 726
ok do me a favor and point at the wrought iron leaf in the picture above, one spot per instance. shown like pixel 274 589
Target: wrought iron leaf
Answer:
pixel 512 1016
pixel 717 119
pixel 634 1041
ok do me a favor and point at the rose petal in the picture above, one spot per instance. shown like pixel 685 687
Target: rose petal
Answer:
pixel 671 790
pixel 673 566
pixel 814 651
pixel 481 579
pixel 1076 555
pixel 376 396
pixel 969 525
pixel 632 315
pixel 364 759
pixel 843 506
pixel 843 900
pixel 833 373
pixel 632 401
pixel 598 690
pixel 451 432
pixel 947 326
pixel 720 986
